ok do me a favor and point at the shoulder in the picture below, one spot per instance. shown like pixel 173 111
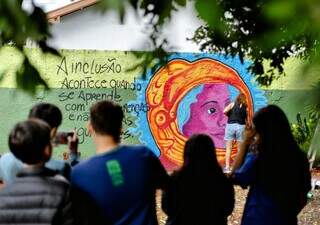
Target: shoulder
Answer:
pixel 46 183
pixel 83 165
pixel 139 150
pixel 9 158
pixel 60 181
pixel 9 162
pixel 55 164
pixel 136 148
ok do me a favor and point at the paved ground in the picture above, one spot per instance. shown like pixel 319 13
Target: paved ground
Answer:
pixel 310 215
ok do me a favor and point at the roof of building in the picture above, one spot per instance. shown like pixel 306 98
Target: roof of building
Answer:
pixel 55 14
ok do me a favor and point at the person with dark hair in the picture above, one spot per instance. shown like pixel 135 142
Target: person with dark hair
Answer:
pixel 278 173
pixel 121 180
pixel 38 195
pixel 237 117
pixel 199 193
pixel 51 114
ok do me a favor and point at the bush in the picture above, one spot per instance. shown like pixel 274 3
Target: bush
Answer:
pixel 303 131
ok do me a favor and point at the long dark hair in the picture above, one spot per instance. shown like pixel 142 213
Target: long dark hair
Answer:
pixel 199 192
pixel 199 155
pixel 282 168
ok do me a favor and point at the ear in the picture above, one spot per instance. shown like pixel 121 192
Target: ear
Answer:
pixel 53 132
pixel 47 152
pixel 90 128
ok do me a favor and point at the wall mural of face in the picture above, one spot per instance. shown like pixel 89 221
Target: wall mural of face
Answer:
pixel 206 114
pixel 188 95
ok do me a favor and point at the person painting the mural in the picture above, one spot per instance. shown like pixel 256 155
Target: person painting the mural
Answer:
pixel 237 117
pixel 278 173
pixel 199 192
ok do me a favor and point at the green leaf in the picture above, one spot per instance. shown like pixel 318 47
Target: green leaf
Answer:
pixel 47 49
pixel 134 3
pixel 181 2
pixel 281 10
pixel 118 6
pixel 209 11
pixel 37 28
pixel 28 78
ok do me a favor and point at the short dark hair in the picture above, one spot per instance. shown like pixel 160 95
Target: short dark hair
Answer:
pixel 106 118
pixel 28 139
pixel 50 113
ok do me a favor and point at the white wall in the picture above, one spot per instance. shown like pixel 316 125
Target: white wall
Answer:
pixel 46 5
pixel 89 29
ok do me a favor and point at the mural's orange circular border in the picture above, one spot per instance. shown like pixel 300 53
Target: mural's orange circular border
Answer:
pixel 167 88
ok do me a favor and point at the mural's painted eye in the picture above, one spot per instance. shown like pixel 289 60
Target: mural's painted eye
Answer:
pixel 211 110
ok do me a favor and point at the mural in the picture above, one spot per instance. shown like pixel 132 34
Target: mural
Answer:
pixel 183 97
pixel 201 88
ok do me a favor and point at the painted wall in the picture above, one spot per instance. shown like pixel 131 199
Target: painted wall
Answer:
pixel 185 96
pixel 90 30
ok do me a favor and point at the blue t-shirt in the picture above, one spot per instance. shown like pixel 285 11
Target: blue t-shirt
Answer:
pixel 260 208
pixel 122 183
pixel 10 167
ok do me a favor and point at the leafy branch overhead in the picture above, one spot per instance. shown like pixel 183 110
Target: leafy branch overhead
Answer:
pixel 269 30
pixel 261 30
pixel 16 28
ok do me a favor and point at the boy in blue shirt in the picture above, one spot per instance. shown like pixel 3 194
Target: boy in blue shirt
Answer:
pixel 120 180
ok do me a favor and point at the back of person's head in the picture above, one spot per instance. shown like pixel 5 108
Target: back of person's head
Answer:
pixel 274 130
pixel 201 181
pixel 50 113
pixel 199 150
pixel 282 168
pixel 106 119
pixel 241 99
pixel 28 141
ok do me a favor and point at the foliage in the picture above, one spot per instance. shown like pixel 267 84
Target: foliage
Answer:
pixel 262 30
pixel 303 131
pixel 313 106
pixel 270 30
pixel 16 28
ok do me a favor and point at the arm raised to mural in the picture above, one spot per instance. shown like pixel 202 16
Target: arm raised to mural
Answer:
pixel 227 109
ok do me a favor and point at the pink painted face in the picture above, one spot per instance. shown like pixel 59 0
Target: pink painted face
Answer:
pixel 206 114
